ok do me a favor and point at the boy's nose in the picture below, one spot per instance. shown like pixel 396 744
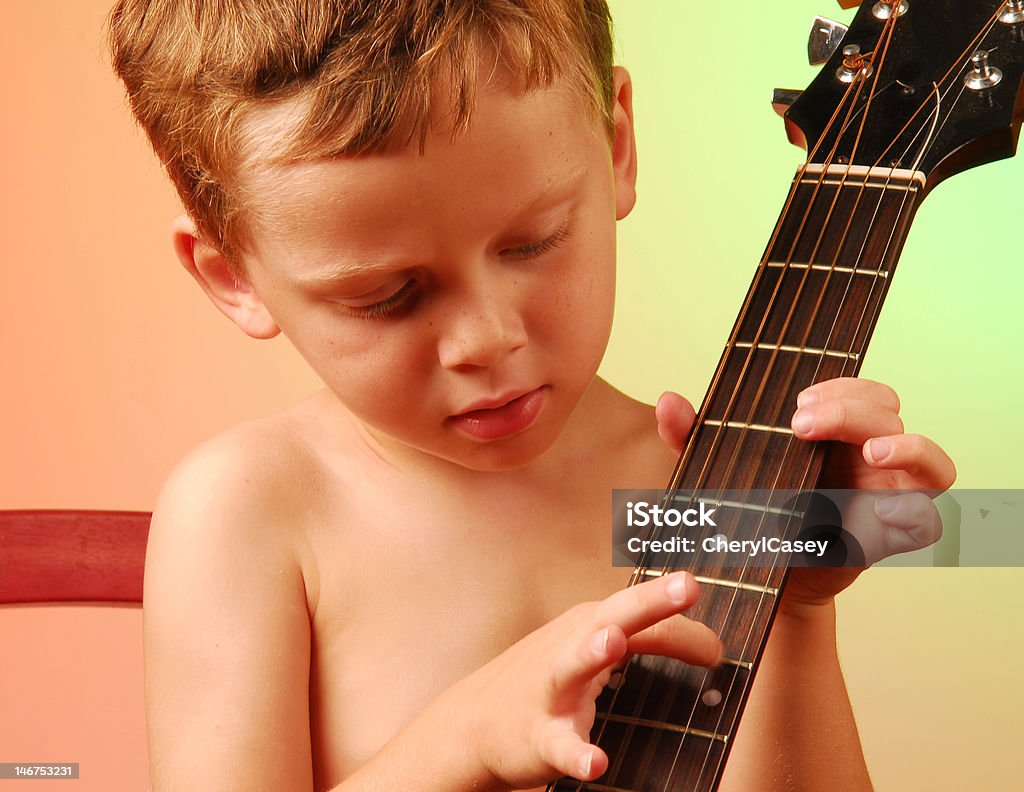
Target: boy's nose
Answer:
pixel 480 335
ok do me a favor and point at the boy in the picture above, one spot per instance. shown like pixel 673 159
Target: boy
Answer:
pixel 422 196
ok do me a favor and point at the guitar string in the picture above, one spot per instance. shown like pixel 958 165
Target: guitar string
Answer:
pixel 889 242
pixel 900 215
pixel 878 304
pixel 877 64
pixel 900 212
pixel 636 576
pixel 855 88
pixel 858 264
pixel 673 689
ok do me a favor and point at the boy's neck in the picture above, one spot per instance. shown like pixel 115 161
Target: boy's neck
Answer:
pixel 594 425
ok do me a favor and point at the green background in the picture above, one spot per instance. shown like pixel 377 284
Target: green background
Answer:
pixel 714 169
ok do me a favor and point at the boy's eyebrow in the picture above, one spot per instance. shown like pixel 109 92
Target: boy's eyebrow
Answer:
pixel 551 193
pixel 338 270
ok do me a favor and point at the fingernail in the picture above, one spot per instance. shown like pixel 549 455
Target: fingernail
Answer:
pixel 806 398
pixel 676 588
pixel 886 507
pixel 599 643
pixel 879 449
pixel 803 422
pixel 586 762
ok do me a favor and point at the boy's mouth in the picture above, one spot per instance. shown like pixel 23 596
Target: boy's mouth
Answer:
pixel 501 417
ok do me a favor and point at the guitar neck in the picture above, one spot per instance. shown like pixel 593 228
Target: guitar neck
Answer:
pixel 807 317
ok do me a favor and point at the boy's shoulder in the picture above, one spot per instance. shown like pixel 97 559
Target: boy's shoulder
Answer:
pixel 624 431
pixel 247 493
pixel 260 463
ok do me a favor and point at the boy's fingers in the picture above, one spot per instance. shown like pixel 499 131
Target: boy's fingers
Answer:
pixel 884 525
pixel 920 457
pixel 846 420
pixel 911 522
pixel 675 419
pixel 613 621
pixel 584 660
pixel 638 607
pixel 681 638
pixel 568 754
pixel 849 388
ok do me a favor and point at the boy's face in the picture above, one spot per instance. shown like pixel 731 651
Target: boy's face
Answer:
pixel 457 302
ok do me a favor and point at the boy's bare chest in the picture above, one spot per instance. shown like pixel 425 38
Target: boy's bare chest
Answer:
pixel 429 595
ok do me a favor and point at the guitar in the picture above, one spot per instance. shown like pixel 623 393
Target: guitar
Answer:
pixel 916 91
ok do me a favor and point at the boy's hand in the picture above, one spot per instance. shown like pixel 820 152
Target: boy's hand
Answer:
pixel 535 702
pixel 872 453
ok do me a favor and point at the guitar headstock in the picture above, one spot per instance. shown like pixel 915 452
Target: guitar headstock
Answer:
pixel 933 86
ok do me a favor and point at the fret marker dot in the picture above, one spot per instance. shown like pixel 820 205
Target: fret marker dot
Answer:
pixel 712 698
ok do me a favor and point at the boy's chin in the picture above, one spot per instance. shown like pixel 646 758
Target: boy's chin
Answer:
pixel 503 455
pixel 490 456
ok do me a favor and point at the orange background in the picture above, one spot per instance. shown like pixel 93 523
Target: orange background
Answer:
pixel 114 365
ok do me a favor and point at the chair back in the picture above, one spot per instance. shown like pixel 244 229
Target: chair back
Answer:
pixel 72 556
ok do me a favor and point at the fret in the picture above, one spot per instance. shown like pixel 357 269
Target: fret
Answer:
pixel 666 709
pixel 828 268
pixel 739 663
pixel 826 224
pixel 731 504
pixel 748 426
pixel 713 581
pixel 798 307
pixel 649 695
pixel 785 373
pixel 669 727
pixel 653 721
pixel 723 457
pixel 736 615
pixel 800 350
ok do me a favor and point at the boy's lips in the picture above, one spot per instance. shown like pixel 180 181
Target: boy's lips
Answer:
pixel 502 417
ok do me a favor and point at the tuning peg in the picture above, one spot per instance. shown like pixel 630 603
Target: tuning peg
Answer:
pixel 853 65
pixel 1013 12
pixel 887 9
pixel 824 39
pixel 782 98
pixel 982 76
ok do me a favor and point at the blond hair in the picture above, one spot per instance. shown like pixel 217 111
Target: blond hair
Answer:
pixel 361 72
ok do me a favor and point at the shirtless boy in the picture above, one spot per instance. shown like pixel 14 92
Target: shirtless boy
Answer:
pixel 405 581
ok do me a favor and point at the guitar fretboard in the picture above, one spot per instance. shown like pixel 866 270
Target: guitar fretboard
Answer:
pixel 808 317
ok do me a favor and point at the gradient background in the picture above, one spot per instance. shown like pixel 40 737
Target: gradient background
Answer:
pixel 114 365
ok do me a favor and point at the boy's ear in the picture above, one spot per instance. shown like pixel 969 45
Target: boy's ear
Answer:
pixel 232 295
pixel 624 144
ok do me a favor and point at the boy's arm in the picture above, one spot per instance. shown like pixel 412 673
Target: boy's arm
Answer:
pixel 226 632
pixel 798 731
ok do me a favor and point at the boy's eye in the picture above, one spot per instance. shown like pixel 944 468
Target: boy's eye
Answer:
pixel 397 304
pixel 535 249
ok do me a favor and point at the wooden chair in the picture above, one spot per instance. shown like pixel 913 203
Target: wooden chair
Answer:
pixel 72 556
